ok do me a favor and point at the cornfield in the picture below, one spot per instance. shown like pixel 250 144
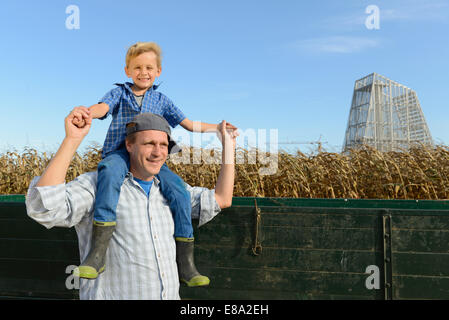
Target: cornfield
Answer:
pixel 419 173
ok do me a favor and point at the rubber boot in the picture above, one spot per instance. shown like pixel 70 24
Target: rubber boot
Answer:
pixel 186 266
pixel 94 264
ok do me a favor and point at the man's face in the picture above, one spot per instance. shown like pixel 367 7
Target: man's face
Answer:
pixel 143 69
pixel 147 153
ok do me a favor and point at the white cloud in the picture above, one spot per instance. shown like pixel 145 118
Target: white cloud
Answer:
pixel 336 44
pixel 426 12
pixel 407 11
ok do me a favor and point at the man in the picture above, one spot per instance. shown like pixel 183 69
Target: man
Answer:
pixel 141 257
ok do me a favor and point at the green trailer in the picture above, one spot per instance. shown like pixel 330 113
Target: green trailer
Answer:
pixel 265 248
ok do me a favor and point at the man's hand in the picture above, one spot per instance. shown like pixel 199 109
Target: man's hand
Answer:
pixel 78 123
pixel 57 168
pixel 227 135
pixel 81 114
pixel 229 127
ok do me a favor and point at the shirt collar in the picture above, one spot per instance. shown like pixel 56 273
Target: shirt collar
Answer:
pixel 128 85
pixel 130 177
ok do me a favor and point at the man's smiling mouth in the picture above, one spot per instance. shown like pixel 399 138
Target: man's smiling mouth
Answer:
pixel 154 161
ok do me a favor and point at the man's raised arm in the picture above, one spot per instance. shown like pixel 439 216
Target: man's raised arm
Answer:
pixel 225 182
pixel 56 170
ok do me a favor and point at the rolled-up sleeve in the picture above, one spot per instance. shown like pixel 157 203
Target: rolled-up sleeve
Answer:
pixel 172 113
pixel 204 205
pixel 111 98
pixel 62 205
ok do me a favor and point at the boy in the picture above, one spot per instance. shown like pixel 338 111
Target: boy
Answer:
pixel 143 66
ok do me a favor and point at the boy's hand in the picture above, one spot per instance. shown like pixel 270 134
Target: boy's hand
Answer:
pixel 227 138
pixel 72 130
pixel 230 128
pixel 81 115
pixel 226 133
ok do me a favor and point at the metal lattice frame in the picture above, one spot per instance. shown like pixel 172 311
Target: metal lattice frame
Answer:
pixel 385 115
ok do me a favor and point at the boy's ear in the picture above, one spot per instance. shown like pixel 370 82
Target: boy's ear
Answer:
pixel 159 71
pixel 126 71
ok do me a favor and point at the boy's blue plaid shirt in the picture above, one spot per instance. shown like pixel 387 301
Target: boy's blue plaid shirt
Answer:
pixel 123 107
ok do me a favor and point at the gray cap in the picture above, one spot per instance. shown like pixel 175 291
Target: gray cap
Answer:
pixel 151 121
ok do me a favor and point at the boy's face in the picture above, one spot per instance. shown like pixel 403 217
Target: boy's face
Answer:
pixel 143 69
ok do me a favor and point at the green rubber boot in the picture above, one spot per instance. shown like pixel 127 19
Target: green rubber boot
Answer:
pixel 94 264
pixel 186 266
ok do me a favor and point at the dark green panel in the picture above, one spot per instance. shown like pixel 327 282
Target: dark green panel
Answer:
pixel 312 249
pixel 436 241
pixel 30 229
pixel 322 238
pixel 229 294
pixel 300 284
pixel 324 231
pixel 36 288
pixel 344 203
pixel 420 222
pixel 320 219
pixel 433 264
pixel 51 250
pixel 13 210
pixel 12 198
pixel 288 259
pixel 204 293
pixel 229 235
pixel 318 238
pixel 34 269
pixel 288 211
pixel 408 287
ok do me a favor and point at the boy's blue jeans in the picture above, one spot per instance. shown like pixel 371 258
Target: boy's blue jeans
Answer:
pixel 111 174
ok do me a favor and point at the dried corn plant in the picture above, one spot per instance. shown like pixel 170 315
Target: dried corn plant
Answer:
pixel 419 173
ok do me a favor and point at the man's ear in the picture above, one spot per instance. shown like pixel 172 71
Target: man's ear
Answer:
pixel 128 145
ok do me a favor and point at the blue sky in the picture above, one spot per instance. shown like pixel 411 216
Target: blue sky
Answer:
pixel 261 65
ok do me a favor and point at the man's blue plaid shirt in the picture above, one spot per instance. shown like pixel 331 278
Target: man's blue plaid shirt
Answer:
pixel 124 107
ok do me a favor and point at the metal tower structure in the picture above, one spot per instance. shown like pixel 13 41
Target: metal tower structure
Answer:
pixel 385 115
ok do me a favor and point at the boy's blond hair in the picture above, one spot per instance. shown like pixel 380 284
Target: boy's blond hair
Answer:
pixel 142 47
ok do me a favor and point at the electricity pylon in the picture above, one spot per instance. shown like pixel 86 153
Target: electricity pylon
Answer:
pixel 385 115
